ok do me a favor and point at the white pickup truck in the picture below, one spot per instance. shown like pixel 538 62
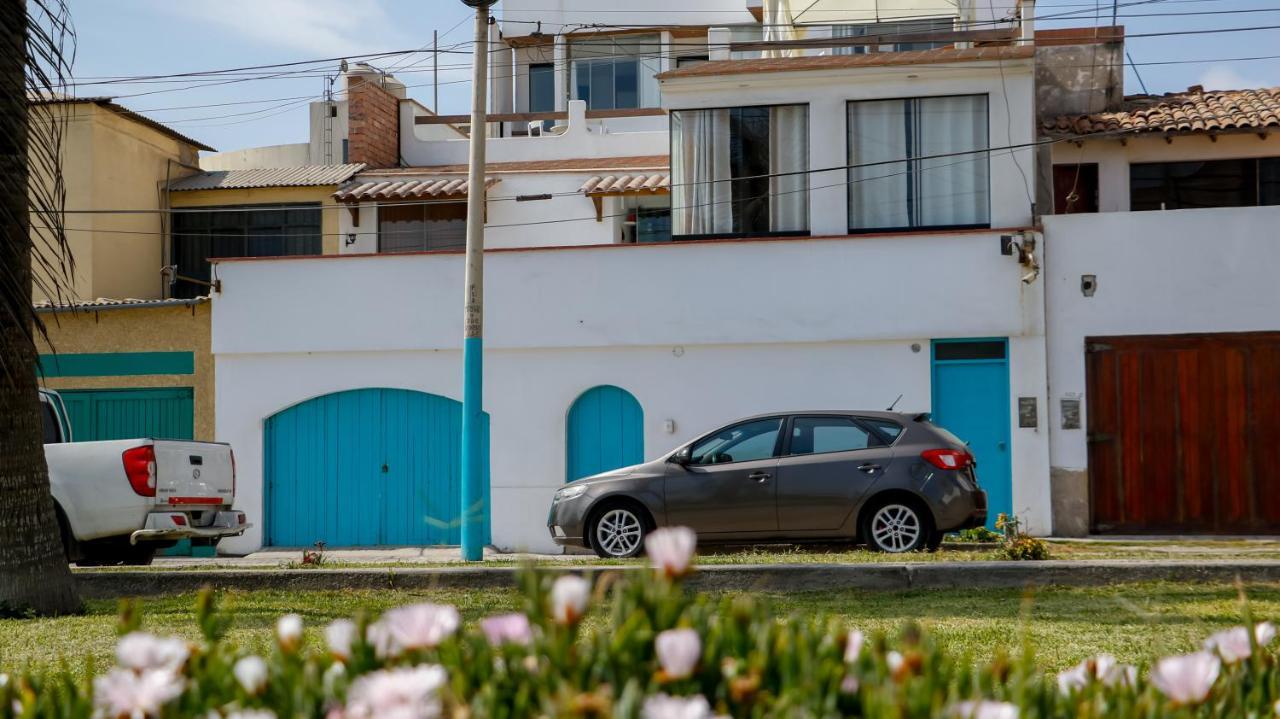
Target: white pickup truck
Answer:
pixel 118 501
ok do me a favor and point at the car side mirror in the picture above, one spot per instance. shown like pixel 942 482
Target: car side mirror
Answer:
pixel 682 458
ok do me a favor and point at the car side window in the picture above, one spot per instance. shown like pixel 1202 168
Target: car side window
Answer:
pixel 816 435
pixel 52 435
pixel 744 442
pixel 888 428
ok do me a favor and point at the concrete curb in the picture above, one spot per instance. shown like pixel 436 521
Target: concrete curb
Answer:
pixel 764 577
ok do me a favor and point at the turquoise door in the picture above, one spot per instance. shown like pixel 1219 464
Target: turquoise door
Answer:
pixel 160 413
pixel 605 431
pixel 366 467
pixel 971 399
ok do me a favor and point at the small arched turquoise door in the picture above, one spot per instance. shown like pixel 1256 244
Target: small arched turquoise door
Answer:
pixel 367 467
pixel 605 431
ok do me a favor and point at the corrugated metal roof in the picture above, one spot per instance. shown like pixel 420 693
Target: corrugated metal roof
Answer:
pixel 106 303
pixel 123 111
pixel 398 189
pixel 616 184
pixel 301 176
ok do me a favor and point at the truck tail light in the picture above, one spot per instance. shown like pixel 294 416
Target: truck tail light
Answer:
pixel 140 468
pixel 947 458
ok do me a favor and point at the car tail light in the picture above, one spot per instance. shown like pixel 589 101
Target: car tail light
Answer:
pixel 140 468
pixel 947 458
pixel 233 473
pixel 179 520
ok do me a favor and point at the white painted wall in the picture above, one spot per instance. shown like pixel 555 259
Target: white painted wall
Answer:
pixel 1171 272
pixel 1010 112
pixel 515 224
pixel 1113 157
pixel 701 333
pixel 566 15
pixel 258 157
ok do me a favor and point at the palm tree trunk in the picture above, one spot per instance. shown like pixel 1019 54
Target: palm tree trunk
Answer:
pixel 34 576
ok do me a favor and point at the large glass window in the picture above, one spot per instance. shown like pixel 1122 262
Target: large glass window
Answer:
pixel 646 218
pixel 740 171
pixel 542 87
pixel 1213 183
pixel 891 31
pixel 240 231
pixel 427 226
pixel 616 72
pixel 744 442
pixel 919 162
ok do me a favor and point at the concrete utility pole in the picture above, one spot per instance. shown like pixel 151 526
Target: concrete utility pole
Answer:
pixel 474 506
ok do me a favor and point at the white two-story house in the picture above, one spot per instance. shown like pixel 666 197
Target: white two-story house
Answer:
pixel 691 223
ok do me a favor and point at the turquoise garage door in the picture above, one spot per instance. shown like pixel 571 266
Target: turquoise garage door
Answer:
pixel 605 431
pixel 161 413
pixel 367 467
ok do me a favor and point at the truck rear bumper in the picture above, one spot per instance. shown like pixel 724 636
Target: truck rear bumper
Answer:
pixel 176 525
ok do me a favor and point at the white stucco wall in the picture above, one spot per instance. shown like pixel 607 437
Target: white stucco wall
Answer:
pixel 794 324
pixel 1113 157
pixel 1009 88
pixel 1172 272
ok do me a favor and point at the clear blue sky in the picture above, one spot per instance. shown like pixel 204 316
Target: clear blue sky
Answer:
pixel 137 37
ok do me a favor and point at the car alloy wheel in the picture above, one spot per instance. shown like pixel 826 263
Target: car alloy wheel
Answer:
pixel 896 528
pixel 619 533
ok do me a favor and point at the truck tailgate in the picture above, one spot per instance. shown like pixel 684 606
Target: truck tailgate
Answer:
pixel 194 473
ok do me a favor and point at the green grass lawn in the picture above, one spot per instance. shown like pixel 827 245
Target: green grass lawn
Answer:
pixel 1135 622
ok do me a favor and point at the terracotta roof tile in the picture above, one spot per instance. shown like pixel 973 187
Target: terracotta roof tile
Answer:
pixel 1193 111
pixel 828 62
pixel 393 190
pixel 622 184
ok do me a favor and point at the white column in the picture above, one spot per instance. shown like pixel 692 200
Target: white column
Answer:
pixel 562 73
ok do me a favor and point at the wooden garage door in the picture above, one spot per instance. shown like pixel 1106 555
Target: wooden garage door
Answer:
pixel 1180 432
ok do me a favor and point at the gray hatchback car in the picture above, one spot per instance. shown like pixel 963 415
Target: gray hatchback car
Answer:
pixel 894 481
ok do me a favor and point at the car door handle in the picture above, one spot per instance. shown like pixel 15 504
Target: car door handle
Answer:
pixel 760 477
pixel 869 468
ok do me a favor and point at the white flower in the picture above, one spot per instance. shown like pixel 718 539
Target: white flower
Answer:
pixel 661 706
pixel 895 661
pixel 251 672
pixel 252 714
pixel 507 629
pixel 1103 668
pixel 1233 644
pixel 336 671
pixel 289 630
pixel 670 550
pixel 1187 678
pixel 678 652
pixel 1074 679
pixel 407 693
pixel 853 646
pixel 140 651
pixel 417 626
pixel 122 692
pixel 983 710
pixel 340 635
pixel 569 597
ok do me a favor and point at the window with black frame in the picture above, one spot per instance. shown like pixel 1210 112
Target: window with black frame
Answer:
pixel 740 172
pixel 919 163
pixel 1200 184
pixel 239 231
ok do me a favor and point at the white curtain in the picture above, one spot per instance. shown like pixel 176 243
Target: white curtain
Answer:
pixel 953 190
pixel 700 154
pixel 879 194
pixel 778 26
pixel 788 153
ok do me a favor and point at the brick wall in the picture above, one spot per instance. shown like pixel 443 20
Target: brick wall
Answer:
pixel 373 124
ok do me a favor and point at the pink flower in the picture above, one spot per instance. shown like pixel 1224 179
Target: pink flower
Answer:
pixel 983 710
pixel 1187 678
pixel 569 597
pixel 661 706
pixel 1103 668
pixel 252 673
pixel 289 631
pixel 417 626
pixel 853 646
pixel 141 651
pixel 507 628
pixel 407 693
pixel 122 692
pixel 670 550
pixel 849 685
pixel 1233 644
pixel 340 635
pixel 678 652
pixel 252 714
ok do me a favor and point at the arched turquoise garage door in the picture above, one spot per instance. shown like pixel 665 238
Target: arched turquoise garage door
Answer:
pixel 605 431
pixel 366 467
